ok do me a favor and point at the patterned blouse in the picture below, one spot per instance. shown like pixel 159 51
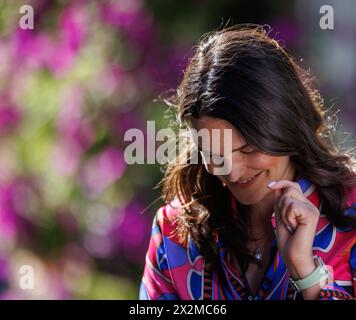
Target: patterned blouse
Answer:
pixel 173 271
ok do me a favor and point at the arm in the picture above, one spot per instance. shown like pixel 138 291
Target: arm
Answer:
pixel 303 270
pixel 296 222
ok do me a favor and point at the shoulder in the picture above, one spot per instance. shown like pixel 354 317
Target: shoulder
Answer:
pixel 167 219
pixel 351 197
pixel 333 242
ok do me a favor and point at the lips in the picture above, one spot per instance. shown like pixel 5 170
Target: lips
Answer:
pixel 247 182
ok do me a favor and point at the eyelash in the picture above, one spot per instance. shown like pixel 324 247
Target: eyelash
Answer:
pixel 244 152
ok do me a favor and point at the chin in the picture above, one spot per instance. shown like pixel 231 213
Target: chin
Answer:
pixel 248 199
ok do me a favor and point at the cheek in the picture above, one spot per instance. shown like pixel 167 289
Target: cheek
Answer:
pixel 265 162
pixel 270 163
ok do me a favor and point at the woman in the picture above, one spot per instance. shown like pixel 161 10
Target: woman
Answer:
pixel 281 223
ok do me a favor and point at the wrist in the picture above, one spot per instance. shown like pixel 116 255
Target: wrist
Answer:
pixel 302 269
pixel 311 284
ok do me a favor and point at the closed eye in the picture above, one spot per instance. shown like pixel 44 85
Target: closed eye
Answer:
pixel 248 152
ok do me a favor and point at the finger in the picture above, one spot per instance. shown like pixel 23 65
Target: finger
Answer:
pixel 276 197
pixel 299 212
pixel 296 214
pixel 290 192
pixel 289 214
pixel 281 184
pixel 286 197
pixel 287 220
pixel 282 231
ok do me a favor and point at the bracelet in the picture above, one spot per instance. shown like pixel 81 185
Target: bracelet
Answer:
pixel 320 273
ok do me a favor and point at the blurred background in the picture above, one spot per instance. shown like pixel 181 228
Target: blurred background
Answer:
pixel 70 207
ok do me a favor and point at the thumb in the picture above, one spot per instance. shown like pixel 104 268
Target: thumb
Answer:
pixel 276 195
pixel 282 232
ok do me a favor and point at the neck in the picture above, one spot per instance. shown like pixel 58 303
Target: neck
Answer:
pixel 261 212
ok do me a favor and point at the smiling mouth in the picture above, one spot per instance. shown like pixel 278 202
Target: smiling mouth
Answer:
pixel 247 181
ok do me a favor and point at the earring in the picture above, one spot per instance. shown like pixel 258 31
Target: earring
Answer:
pixel 224 184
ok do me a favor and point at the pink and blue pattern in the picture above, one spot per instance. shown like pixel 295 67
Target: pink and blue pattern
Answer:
pixel 173 271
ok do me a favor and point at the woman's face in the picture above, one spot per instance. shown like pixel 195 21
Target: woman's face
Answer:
pixel 246 163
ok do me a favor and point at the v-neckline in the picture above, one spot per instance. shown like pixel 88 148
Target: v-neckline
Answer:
pixel 272 257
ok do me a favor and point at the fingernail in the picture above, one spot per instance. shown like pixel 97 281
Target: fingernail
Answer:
pixel 271 183
pixel 290 229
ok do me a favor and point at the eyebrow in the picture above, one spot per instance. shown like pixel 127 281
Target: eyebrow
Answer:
pixel 237 149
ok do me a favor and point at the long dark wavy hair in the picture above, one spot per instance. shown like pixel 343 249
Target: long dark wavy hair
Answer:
pixel 245 77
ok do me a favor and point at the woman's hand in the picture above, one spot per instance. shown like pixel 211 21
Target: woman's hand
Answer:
pixel 296 222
